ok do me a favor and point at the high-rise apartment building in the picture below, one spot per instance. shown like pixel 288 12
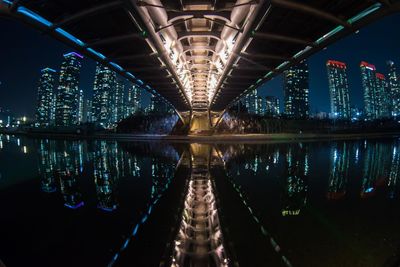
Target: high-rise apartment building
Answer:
pixel 45 98
pixel 338 89
pixel 117 102
pixel 296 91
pixel 383 97
pixel 260 106
pixel 394 86
pixel 158 105
pixel 368 77
pixel 81 107
pixel 272 106
pixel 104 86
pixel 133 101
pixel 250 102
pixel 67 100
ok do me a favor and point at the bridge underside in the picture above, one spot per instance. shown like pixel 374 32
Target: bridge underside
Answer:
pixel 200 55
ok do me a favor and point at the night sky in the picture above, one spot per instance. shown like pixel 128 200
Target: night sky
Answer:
pixel 25 51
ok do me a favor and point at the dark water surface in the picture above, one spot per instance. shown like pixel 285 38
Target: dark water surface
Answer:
pixel 108 203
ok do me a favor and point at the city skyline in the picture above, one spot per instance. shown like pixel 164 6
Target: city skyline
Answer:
pixel 370 37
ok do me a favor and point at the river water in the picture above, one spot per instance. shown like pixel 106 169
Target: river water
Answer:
pixel 109 203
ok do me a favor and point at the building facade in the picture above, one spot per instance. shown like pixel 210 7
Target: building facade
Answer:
pixel 45 98
pixel 368 77
pixel 338 89
pixel 67 100
pixel 117 100
pixel 383 96
pixel 272 106
pixel 296 91
pixel 250 102
pixel 394 87
pixel 133 102
pixel 104 86
pixel 158 105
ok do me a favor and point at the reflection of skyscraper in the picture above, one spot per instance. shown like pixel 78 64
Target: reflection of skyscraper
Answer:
pixel 45 98
pixel 161 172
pixel 377 162
pixel 338 89
pixel 296 91
pixel 70 190
pixel 295 195
pixel 104 177
pixel 394 175
pixel 338 177
pixel 394 87
pixel 67 102
pixel 104 86
pixel 46 166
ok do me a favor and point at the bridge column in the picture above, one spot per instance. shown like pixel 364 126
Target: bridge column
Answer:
pixel 200 123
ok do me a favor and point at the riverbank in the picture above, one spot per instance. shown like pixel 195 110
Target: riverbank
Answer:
pixel 220 138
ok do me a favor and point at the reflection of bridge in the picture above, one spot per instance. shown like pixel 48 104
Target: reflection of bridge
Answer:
pixel 199 55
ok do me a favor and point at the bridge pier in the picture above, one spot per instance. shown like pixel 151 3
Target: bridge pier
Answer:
pixel 200 123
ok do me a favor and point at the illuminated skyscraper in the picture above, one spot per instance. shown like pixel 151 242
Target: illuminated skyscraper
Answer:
pixel 88 111
pixel 104 86
pixel 296 91
pixel 394 87
pixel 117 102
pixel 133 103
pixel 271 106
pixel 67 101
pixel 250 101
pixel 45 98
pixel 383 96
pixel 260 106
pixel 368 76
pixel 81 107
pixel 338 89
pixel 158 105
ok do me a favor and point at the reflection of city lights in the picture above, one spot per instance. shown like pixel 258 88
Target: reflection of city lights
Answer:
pixel 25 149
pixel 18 142
pixel 1 144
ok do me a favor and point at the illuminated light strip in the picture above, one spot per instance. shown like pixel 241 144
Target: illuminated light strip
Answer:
pixel 115 65
pixel 8 2
pixel 97 54
pixel 282 65
pixel 48 69
pixel 70 37
pixel 34 16
pixel 74 54
pixel 142 220
pixel 330 34
pixel 272 241
pixel 364 13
